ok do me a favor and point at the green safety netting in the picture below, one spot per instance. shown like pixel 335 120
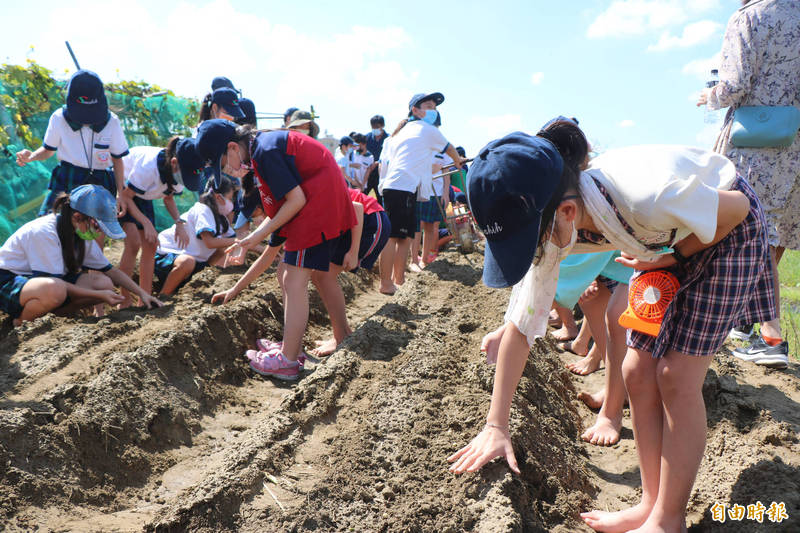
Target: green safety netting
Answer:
pixel 29 95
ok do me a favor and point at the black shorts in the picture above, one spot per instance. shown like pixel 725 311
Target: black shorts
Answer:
pixel 401 206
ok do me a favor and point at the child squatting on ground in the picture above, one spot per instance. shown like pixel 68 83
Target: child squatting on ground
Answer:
pixel 694 217
pixel 53 264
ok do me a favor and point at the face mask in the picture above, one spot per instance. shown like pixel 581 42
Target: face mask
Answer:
pixel 555 253
pixel 376 132
pixel 226 208
pixel 176 175
pixel 430 116
pixel 88 235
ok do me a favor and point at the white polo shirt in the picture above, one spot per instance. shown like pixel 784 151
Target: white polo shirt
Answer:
pixel 199 219
pixel 365 160
pixel 84 147
pixel 409 156
pixel 36 249
pixel 142 175
pixel 440 160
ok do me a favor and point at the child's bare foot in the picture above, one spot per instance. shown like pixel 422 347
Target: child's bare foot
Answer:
pixel 651 526
pixel 593 400
pixel 415 267
pixel 388 288
pixel 553 319
pixel 567 332
pixel 604 432
pixel 587 365
pixel 324 348
pixel 99 310
pixel 126 303
pixel 618 521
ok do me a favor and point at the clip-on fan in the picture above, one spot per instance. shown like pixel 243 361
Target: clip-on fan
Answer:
pixel 648 298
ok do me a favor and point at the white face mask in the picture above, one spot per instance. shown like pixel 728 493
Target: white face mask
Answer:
pixel 556 253
pixel 225 208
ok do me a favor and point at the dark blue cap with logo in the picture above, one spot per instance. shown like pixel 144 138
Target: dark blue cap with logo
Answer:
pixel 510 184
pixel 96 202
pixel 249 203
pixel 288 113
pixel 346 140
pixel 190 163
pixel 227 99
pixel 212 141
pixel 86 99
pixel 221 81
pixel 249 110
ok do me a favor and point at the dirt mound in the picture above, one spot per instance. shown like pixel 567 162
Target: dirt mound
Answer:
pixel 152 420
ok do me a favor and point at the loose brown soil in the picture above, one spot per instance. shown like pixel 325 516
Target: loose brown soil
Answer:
pixel 152 420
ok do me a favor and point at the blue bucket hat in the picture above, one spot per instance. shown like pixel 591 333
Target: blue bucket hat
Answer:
pixel 212 141
pixel 228 99
pixel 86 99
pixel 510 183
pixel 96 202
pixel 190 163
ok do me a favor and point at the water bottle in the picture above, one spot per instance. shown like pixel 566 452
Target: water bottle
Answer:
pixel 711 116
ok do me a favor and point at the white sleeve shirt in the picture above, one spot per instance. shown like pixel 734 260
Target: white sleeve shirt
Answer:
pixel 411 154
pixel 142 174
pixel 84 147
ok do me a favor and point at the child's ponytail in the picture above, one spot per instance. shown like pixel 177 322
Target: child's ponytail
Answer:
pixel 205 109
pixel 169 152
pixel 72 250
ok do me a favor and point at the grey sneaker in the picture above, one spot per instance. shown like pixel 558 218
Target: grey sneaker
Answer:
pixel 761 353
pixel 742 334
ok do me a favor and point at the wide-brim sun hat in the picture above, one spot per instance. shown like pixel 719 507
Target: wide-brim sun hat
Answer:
pixel 510 183
pixel 301 118
pixel 96 202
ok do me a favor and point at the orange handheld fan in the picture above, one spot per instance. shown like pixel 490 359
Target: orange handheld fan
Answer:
pixel 648 298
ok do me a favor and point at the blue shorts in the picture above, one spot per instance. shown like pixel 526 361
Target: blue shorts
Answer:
pixel 11 286
pixel 316 257
pixel 66 177
pixel 165 262
pixel 146 207
pixel 374 237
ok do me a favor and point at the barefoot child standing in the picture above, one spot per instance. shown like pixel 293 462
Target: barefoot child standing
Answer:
pixel 692 216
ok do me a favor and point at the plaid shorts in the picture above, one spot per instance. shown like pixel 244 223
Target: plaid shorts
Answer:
pixel 146 207
pixel 66 177
pixel 729 284
pixel 164 263
pixel 429 211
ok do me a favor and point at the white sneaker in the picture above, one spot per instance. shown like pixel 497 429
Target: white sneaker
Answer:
pixel 761 353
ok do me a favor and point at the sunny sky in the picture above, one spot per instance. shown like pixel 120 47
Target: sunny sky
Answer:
pixel 629 70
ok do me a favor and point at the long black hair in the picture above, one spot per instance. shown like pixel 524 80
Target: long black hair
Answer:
pixel 73 249
pixel 165 171
pixel 225 186
pixel 571 143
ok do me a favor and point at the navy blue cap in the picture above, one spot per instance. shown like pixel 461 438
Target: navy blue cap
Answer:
pixel 86 99
pixel 418 98
pixel 249 110
pixel 96 202
pixel 510 183
pixel 212 141
pixel 190 163
pixel 288 113
pixel 221 81
pixel 227 99
pixel 346 140
pixel 249 203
